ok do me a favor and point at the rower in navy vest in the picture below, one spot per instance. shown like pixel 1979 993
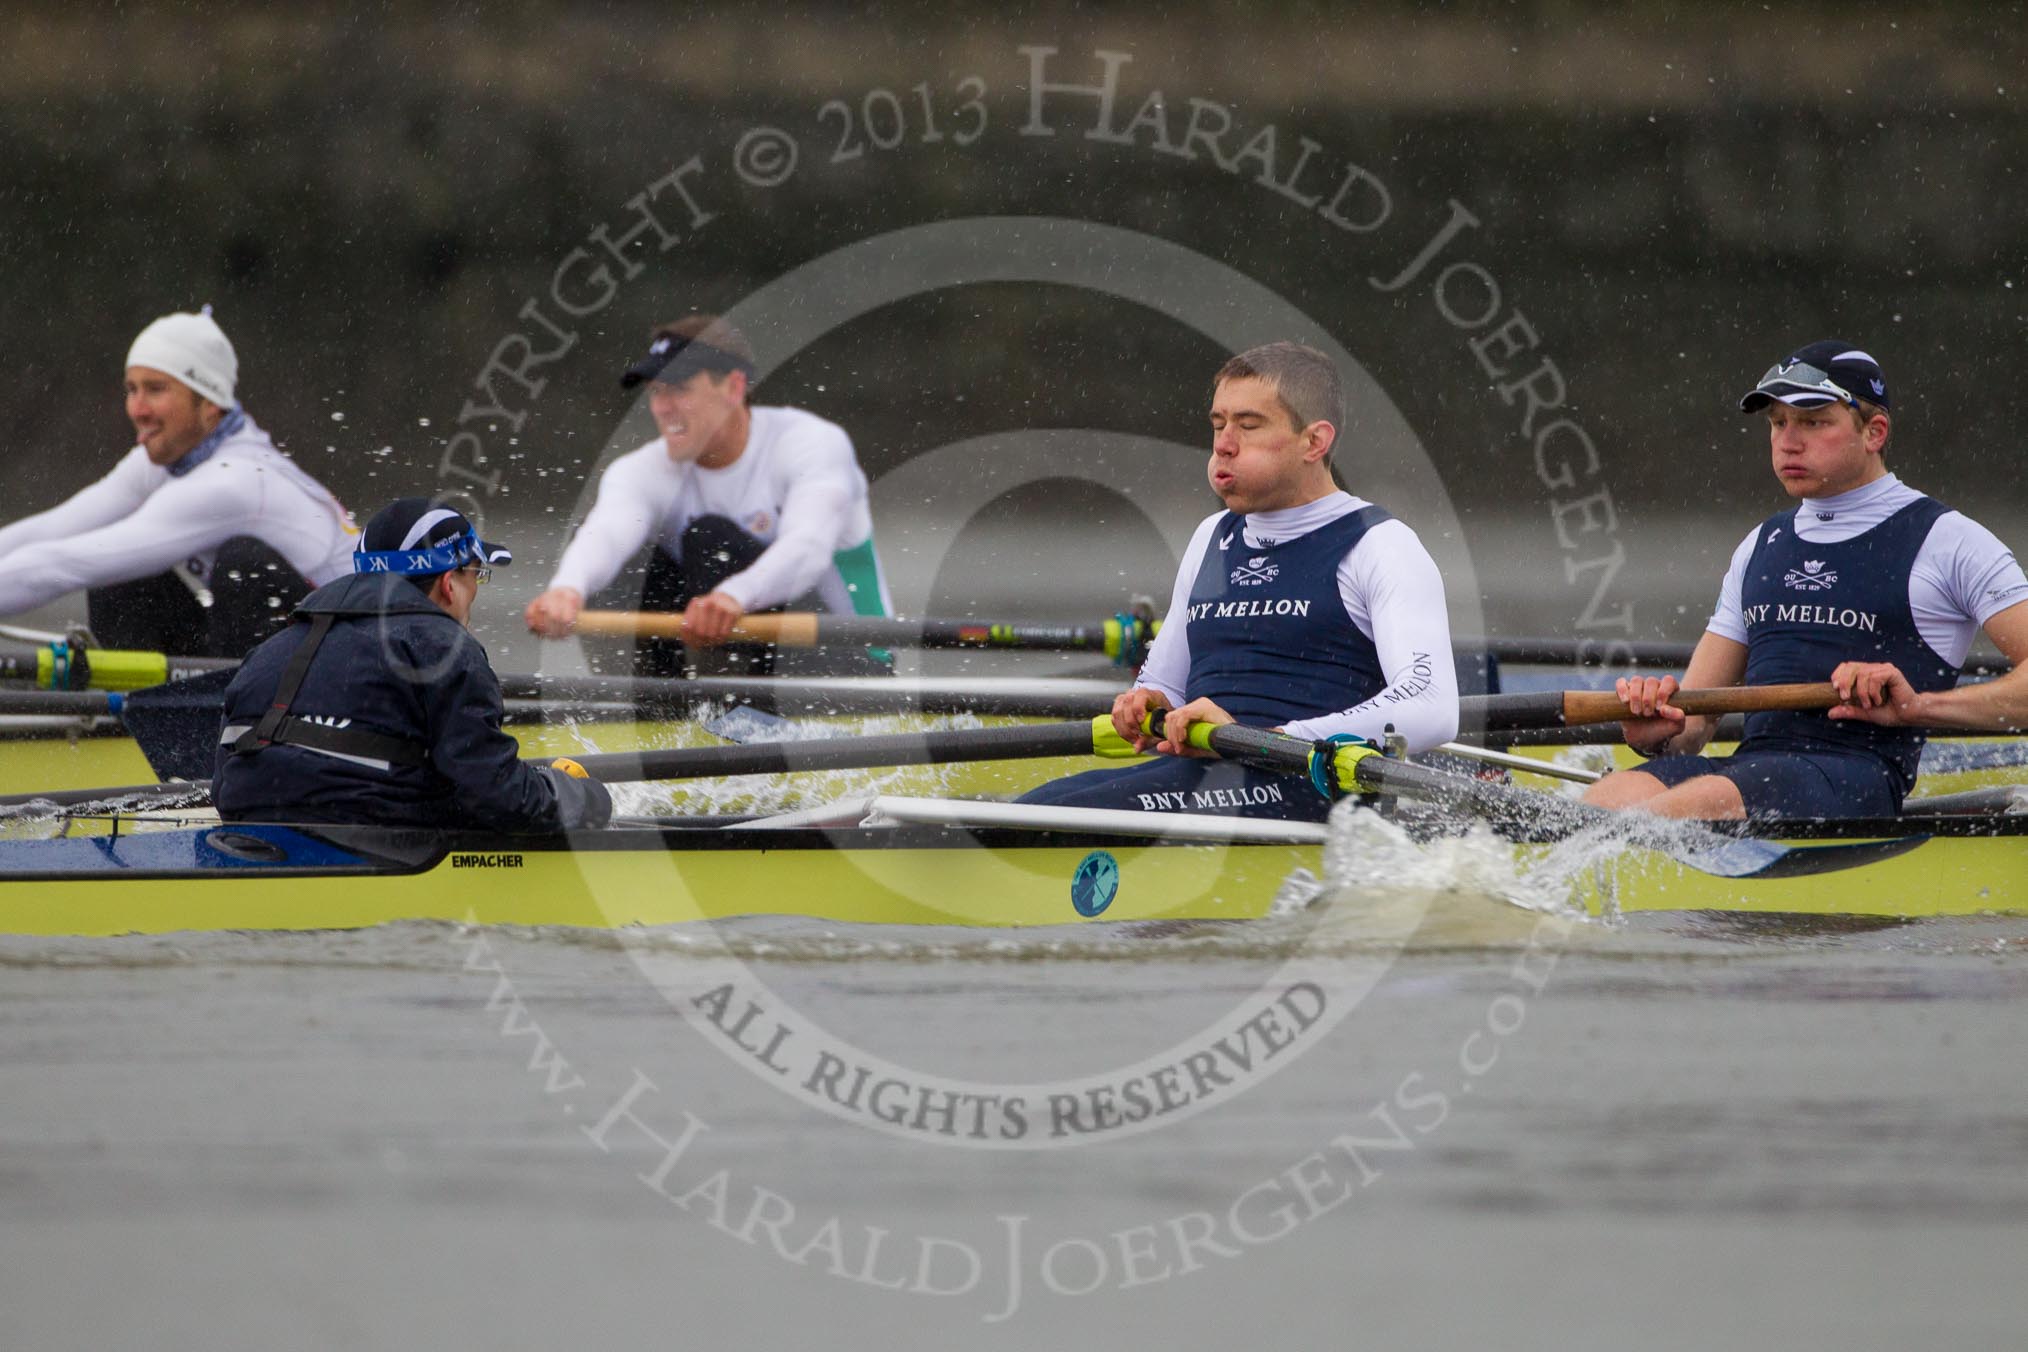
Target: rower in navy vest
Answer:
pixel 1300 607
pixel 1867 584
pixel 376 704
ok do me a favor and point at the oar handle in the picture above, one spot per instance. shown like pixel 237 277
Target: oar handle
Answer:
pixel 1124 638
pixel 1603 706
pixel 1570 708
pixel 797 629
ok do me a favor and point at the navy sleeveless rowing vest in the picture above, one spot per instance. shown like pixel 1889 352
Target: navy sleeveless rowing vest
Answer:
pixel 1809 607
pixel 1270 641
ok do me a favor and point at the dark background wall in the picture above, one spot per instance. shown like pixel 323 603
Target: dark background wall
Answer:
pixel 1671 194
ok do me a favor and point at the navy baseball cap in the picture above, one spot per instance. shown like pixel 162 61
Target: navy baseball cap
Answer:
pixel 673 358
pixel 1820 373
pixel 418 537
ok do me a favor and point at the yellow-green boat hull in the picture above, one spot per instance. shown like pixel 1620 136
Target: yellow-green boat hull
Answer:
pixel 902 876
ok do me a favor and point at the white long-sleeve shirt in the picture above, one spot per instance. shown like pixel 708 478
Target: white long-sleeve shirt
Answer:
pixel 1963 575
pixel 797 487
pixel 140 520
pixel 1395 597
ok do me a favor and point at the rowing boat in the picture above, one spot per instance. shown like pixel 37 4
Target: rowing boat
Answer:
pixel 889 860
pixel 895 859
pixel 921 870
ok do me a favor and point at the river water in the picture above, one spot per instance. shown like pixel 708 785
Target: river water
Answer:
pixel 1420 1115
pixel 1444 1119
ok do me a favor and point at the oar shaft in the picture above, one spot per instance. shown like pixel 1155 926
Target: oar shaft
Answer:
pixel 68 703
pixel 62 665
pixel 1037 697
pixel 847 753
pixel 1485 797
pixel 1527 765
pixel 808 629
pixel 1364 768
pixel 1090 737
pixel 129 795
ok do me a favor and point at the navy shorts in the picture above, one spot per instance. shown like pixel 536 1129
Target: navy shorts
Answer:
pixel 1187 784
pixel 1793 783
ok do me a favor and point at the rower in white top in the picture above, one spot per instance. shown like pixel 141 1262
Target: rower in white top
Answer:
pixel 746 508
pixel 1300 607
pixel 203 536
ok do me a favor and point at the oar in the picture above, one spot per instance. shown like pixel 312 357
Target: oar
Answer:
pixel 195 793
pixel 1526 765
pixel 1564 652
pixel 1123 637
pixel 1364 767
pixel 62 665
pixel 1087 737
pixel 1569 708
pixel 1021 697
pixel 69 703
pixel 1352 765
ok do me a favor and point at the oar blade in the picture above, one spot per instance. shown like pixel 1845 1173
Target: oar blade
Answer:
pixel 176 725
pixel 1767 859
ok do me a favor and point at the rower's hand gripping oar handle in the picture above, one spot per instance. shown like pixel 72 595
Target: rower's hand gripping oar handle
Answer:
pixel 1603 706
pixel 1571 708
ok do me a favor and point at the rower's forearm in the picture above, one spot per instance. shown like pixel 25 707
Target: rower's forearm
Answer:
pixel 1990 706
pixel 1698 730
pixel 1691 738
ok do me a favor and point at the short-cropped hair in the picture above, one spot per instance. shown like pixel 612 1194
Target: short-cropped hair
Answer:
pixel 1305 380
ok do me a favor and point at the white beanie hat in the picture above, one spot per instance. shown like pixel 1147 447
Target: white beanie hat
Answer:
pixel 194 350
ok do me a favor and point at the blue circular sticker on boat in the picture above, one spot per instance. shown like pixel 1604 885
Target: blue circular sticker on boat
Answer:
pixel 1095 884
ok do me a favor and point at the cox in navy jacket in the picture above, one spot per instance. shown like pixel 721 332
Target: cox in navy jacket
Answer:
pixel 396 664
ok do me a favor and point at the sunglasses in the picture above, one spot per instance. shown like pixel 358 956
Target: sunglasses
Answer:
pixel 481 573
pixel 1800 376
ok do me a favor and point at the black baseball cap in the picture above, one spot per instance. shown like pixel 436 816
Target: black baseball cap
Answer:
pixel 673 358
pixel 1817 373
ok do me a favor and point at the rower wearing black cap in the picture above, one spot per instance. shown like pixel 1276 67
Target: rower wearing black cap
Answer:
pixel 737 507
pixel 1867 584
pixel 377 705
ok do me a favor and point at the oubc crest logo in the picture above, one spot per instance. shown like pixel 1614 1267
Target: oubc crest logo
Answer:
pixel 1256 571
pixel 1810 577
